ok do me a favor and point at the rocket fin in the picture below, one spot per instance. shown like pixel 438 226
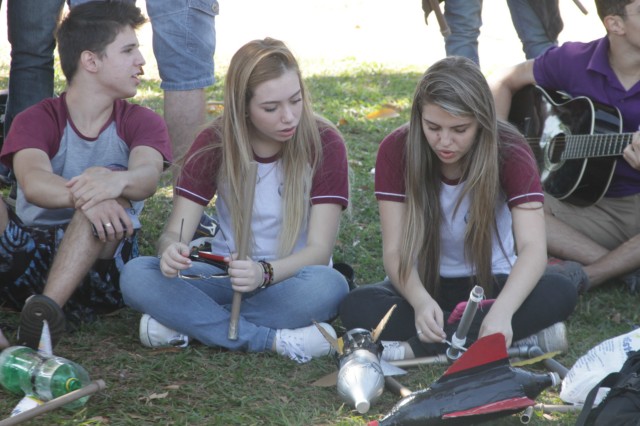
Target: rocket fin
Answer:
pixel 26 403
pixel 336 344
pixel 381 325
pixel 486 350
pixel 44 345
pixel 511 404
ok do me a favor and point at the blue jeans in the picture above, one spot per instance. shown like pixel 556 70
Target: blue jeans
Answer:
pixel 201 308
pixel 464 18
pixel 529 28
pixel 31 24
pixel 184 41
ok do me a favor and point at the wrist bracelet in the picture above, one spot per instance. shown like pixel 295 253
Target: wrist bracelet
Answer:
pixel 267 270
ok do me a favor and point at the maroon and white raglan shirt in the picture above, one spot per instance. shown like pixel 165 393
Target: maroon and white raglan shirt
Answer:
pixel 198 183
pixel 520 183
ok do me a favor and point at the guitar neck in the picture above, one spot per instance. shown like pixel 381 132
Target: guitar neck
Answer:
pixel 593 146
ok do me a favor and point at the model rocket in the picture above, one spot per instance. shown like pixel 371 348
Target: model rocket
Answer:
pixel 481 385
pixel 361 375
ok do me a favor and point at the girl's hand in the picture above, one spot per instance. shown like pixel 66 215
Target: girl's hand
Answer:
pixel 174 258
pixel 496 322
pixel 429 322
pixel 246 275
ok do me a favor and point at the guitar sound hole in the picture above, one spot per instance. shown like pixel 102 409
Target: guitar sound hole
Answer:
pixel 556 149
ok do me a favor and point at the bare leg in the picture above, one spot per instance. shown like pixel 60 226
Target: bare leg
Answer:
pixel 620 261
pixel 566 243
pixel 599 263
pixel 78 252
pixel 184 112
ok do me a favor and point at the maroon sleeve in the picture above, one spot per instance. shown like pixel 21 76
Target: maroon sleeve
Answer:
pixel 331 180
pixel 519 174
pixel 390 166
pixel 51 119
pixel 140 126
pixel 197 180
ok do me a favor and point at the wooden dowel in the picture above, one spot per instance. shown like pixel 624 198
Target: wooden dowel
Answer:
pixel 396 387
pixel 581 7
pixel 444 28
pixel 65 399
pixel 243 244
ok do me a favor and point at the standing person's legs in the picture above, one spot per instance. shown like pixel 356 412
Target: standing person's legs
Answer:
pixel 184 41
pixel 530 28
pixel 464 18
pixel 31 24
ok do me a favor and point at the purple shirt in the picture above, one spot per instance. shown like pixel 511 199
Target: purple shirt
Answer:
pixel 582 69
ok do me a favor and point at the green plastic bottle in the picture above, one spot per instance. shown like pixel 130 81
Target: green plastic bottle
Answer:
pixel 26 371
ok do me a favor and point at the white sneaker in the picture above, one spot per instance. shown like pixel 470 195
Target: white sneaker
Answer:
pixel 303 344
pixel 551 339
pixel 155 335
pixel 392 350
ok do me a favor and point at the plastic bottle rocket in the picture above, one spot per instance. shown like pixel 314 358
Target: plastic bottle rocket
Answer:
pixel 478 387
pixel 41 375
pixel 360 378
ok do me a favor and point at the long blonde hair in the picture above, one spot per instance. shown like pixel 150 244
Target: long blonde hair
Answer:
pixel 456 85
pixel 254 63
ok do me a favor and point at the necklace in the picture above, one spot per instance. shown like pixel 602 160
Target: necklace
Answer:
pixel 273 166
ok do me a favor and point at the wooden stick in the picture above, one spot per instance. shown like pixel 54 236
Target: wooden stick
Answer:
pixel 444 28
pixel 243 244
pixel 581 7
pixel 65 399
pixel 396 387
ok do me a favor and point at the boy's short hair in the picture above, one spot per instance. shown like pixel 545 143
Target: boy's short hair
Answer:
pixel 93 26
pixel 612 7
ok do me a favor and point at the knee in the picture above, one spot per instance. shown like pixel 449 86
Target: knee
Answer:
pixel 136 274
pixel 330 280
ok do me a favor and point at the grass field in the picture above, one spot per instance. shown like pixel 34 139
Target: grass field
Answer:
pixel 209 386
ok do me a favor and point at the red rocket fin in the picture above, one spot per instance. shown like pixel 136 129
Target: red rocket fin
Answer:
pixel 514 404
pixel 484 351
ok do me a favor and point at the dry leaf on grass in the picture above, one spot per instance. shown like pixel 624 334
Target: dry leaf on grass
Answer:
pixel 147 399
pixel 384 112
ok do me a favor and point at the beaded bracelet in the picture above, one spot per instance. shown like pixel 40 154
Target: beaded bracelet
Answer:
pixel 267 269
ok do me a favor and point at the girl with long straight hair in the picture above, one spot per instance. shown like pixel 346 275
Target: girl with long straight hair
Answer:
pixel 302 187
pixel 460 205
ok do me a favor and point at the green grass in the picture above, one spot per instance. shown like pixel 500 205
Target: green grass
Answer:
pixel 206 386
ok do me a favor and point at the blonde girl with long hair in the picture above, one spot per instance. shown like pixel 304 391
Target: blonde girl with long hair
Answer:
pixel 460 204
pixel 287 282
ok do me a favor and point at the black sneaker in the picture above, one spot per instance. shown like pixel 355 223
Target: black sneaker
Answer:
pixel 36 309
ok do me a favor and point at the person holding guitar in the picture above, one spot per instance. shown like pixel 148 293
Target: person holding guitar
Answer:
pixel 598 236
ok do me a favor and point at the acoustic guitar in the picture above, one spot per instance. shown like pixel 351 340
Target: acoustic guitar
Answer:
pixel 576 141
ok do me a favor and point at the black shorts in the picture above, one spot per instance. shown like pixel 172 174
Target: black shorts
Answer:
pixel 26 255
